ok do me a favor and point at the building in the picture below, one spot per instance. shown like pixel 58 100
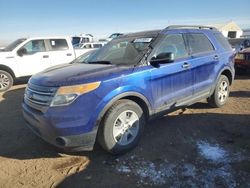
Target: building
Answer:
pixel 229 30
pixel 246 33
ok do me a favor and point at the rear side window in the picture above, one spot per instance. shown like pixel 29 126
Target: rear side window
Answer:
pixel 199 43
pixel 58 44
pixel 223 41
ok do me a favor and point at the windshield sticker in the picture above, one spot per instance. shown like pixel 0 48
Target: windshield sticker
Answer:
pixel 143 40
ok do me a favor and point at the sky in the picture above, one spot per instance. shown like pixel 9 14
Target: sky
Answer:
pixel 23 18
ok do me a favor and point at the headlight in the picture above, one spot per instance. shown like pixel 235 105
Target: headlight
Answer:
pixel 67 94
pixel 239 56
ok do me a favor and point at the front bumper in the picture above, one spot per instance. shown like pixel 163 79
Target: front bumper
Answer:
pixel 43 126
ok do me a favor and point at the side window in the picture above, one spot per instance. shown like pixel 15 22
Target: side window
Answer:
pixel 172 43
pixel 87 46
pixel 85 39
pixel 199 43
pixel 223 41
pixel 58 44
pixel 34 46
pixel 97 45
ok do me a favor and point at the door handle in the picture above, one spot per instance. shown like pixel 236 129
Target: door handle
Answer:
pixel 216 58
pixel 45 56
pixel 69 54
pixel 185 65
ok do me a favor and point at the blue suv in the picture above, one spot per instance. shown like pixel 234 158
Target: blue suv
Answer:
pixel 110 94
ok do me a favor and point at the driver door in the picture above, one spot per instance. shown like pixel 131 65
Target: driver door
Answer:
pixel 34 58
pixel 171 83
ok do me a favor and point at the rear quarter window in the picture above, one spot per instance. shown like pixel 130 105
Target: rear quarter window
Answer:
pixel 223 41
pixel 199 43
pixel 58 44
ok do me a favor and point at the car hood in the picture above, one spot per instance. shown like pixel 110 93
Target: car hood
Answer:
pixel 76 73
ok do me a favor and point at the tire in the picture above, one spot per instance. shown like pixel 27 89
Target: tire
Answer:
pixel 117 133
pixel 221 93
pixel 6 81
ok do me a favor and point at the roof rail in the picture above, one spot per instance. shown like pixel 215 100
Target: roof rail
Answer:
pixel 190 26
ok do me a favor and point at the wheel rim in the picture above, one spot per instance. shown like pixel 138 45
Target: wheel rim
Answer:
pixel 126 127
pixel 223 91
pixel 4 81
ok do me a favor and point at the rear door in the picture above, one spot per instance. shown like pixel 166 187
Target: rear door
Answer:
pixel 171 83
pixel 203 61
pixel 60 51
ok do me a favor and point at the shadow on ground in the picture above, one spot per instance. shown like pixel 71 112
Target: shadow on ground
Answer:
pixel 242 94
pixel 173 139
pixel 19 141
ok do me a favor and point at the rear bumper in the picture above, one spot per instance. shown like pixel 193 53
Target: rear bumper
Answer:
pixel 51 133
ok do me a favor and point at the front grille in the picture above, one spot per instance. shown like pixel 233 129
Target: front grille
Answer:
pixel 247 57
pixel 39 95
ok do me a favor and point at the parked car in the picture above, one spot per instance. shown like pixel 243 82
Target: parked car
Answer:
pixel 83 38
pixel 242 50
pixel 242 60
pixel 113 36
pixel 130 80
pixel 239 44
pixel 27 56
pixel 90 45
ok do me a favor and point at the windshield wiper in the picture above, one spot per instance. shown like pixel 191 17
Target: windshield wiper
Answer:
pixel 100 62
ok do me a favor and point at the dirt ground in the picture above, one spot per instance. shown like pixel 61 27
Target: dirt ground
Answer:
pixel 199 147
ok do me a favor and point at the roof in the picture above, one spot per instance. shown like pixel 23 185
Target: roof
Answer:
pixel 151 33
pixel 190 27
pixel 50 37
pixel 154 33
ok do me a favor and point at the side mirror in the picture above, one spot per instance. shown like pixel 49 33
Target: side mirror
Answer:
pixel 21 52
pixel 162 58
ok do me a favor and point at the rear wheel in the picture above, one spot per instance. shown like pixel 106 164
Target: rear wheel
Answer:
pixel 221 93
pixel 122 127
pixel 6 81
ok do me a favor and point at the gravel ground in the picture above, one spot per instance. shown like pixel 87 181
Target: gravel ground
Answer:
pixel 197 147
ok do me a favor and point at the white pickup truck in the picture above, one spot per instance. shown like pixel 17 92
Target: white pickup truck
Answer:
pixel 25 57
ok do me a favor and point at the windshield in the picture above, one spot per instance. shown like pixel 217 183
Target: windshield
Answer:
pixel 84 58
pixel 13 45
pixel 126 51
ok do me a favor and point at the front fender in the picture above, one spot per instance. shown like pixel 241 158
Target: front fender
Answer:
pixel 113 96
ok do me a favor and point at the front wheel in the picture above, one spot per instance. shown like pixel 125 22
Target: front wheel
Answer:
pixel 6 81
pixel 221 93
pixel 122 127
